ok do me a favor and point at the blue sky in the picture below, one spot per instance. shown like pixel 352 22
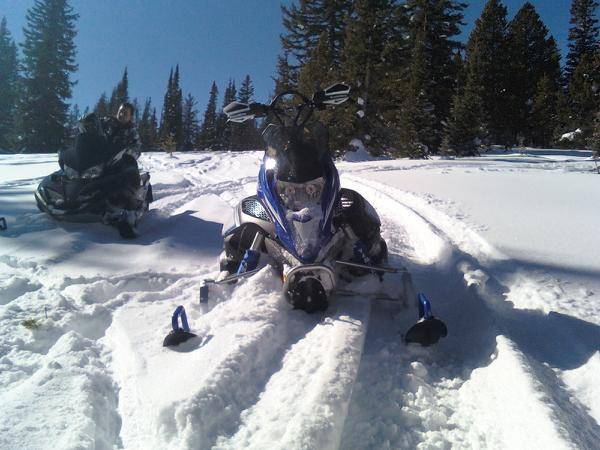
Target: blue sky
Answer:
pixel 211 39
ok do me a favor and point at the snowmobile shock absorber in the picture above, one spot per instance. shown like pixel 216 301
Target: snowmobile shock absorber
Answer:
pixel 252 256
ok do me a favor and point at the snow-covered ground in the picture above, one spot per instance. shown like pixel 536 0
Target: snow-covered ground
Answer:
pixel 505 245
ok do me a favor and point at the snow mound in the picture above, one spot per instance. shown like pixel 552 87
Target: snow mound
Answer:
pixel 571 136
pixel 359 153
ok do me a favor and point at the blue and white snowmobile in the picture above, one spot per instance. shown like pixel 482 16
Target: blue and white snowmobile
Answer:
pixel 315 234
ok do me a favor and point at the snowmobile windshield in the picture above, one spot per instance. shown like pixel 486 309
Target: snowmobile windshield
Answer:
pixel 298 151
pixel 301 203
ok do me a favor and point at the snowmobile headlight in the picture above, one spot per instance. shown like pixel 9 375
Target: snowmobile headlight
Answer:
pixel 270 163
pixel 313 190
pixel 296 196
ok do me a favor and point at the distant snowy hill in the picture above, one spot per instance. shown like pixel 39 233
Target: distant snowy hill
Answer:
pixel 506 245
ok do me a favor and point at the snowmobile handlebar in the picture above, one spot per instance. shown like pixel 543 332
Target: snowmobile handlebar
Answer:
pixel 334 95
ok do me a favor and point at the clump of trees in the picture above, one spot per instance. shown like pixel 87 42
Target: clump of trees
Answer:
pixel 424 92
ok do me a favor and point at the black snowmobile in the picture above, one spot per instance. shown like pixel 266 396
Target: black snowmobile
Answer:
pixel 97 182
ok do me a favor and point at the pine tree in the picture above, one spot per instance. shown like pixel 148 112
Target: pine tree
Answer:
pixel 163 130
pixel 583 93
pixel 73 118
pixel 171 125
pixel 246 92
pixel 434 24
pixel 594 140
pixel 460 80
pixel 489 66
pixel 190 124
pixel 533 55
pixel 101 108
pixel 224 129
pixel 416 135
pixel 583 34
pixel 178 108
pixel 9 77
pixel 136 111
pixel 306 23
pixel 120 94
pixel 245 136
pixel 287 76
pixel 564 117
pixel 318 70
pixel 208 130
pixel 464 131
pixel 48 61
pixel 147 126
pixel 367 64
pixel 153 131
pixel 544 113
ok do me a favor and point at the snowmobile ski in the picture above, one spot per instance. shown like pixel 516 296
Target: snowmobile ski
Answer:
pixel 428 330
pixel 178 334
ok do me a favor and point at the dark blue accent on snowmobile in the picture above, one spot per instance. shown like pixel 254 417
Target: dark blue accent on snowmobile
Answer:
pixel 204 293
pixel 360 253
pixel 3 225
pixel 424 307
pixel 180 312
pixel 267 193
pixel 249 261
pixel 178 335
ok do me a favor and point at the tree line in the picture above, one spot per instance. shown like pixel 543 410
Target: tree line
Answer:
pixel 417 89
pixel 180 126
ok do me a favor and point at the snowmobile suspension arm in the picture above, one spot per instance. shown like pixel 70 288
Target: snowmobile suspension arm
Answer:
pixel 372 268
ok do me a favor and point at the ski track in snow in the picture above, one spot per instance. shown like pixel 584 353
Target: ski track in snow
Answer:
pixel 442 398
pixel 511 374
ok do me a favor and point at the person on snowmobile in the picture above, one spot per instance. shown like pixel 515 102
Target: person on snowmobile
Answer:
pixel 102 174
pixel 302 165
pixel 125 205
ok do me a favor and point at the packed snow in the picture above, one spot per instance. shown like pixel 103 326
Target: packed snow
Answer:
pixel 505 245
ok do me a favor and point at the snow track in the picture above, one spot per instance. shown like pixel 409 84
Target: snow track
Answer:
pixel 82 366
pixel 456 395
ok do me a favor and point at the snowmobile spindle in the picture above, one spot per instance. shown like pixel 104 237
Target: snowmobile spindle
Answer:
pixel 178 335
